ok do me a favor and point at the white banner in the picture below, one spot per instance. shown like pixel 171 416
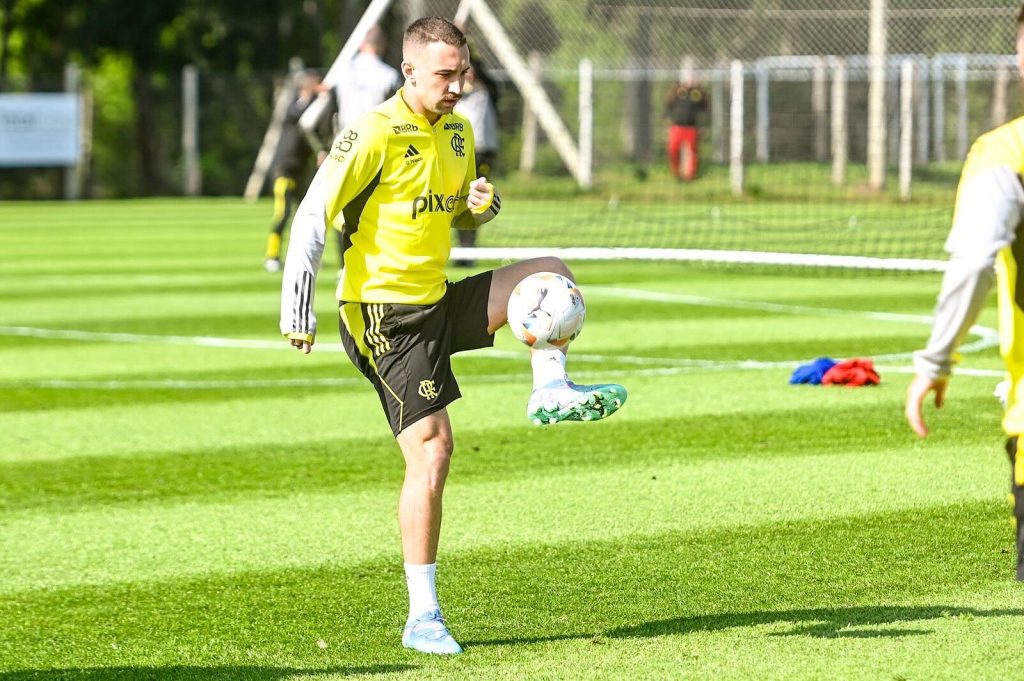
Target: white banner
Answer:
pixel 39 130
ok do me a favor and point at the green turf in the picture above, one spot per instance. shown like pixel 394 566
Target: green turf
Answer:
pixel 171 510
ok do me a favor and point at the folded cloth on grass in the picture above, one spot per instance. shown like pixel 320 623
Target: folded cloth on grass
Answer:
pixel 853 372
pixel 812 372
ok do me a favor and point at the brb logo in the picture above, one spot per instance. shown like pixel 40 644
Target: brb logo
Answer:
pixel 433 203
pixel 459 145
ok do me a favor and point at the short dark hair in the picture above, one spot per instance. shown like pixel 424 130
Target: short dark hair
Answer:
pixel 433 30
pixel 1020 16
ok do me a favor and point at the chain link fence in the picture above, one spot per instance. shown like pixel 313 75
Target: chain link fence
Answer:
pixel 964 82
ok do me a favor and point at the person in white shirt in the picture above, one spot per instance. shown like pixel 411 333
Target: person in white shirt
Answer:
pixel 368 81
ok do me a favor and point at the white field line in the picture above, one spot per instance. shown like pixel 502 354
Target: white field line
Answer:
pixel 662 366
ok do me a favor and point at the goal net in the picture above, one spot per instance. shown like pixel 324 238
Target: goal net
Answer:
pixel 783 141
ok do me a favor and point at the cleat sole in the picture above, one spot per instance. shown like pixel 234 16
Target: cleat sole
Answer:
pixel 596 403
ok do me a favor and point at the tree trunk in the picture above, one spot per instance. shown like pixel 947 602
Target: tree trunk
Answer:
pixel 146 133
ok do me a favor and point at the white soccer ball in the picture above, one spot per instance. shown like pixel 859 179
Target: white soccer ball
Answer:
pixel 546 310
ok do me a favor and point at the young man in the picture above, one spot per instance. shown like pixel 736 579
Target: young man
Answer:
pixel 987 226
pixel 396 182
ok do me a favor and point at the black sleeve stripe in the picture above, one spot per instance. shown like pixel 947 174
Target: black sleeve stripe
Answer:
pixel 306 302
pixel 301 293
pixel 295 308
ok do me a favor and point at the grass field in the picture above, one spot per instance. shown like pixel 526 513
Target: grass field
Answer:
pixel 181 497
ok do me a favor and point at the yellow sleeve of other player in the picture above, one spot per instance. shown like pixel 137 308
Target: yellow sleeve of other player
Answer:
pixel 356 158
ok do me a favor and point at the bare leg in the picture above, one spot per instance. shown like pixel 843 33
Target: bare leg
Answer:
pixel 427 448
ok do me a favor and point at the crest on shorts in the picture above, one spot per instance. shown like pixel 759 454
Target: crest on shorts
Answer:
pixel 427 390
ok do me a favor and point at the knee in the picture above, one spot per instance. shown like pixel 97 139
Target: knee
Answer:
pixel 433 460
pixel 556 265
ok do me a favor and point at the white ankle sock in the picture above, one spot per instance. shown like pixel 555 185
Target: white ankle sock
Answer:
pixel 548 366
pixel 422 588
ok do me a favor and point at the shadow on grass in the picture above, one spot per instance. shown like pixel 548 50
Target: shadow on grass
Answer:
pixel 181 673
pixel 852 622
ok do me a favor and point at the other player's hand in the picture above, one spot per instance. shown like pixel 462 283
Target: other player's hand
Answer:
pixel 917 392
pixel 303 345
pixel 480 192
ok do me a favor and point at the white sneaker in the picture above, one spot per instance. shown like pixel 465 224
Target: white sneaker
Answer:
pixel 272 265
pixel 563 400
pixel 427 633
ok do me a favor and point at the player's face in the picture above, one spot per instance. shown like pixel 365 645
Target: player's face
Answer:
pixel 435 74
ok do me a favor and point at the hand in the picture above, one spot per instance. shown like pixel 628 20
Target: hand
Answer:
pixel 917 391
pixel 303 345
pixel 480 192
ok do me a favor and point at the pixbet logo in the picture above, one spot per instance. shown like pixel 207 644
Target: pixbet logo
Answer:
pixel 433 203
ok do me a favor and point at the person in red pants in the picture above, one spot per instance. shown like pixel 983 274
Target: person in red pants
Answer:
pixel 685 101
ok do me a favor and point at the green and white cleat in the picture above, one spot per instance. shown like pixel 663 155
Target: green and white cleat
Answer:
pixel 565 401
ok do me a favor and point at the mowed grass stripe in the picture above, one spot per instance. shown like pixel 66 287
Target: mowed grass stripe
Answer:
pixel 281 469
pixel 27 391
pixel 158 427
pixel 584 607
pixel 53 548
pixel 213 285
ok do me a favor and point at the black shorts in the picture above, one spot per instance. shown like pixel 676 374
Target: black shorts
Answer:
pixel 405 350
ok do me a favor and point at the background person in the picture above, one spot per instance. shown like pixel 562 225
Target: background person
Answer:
pixel 685 102
pixel 368 81
pixel 479 103
pixel 293 154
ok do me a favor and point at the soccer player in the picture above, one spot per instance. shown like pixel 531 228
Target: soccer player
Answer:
pixel 292 150
pixel 397 181
pixel 986 231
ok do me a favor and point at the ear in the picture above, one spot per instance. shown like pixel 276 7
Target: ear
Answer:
pixel 408 70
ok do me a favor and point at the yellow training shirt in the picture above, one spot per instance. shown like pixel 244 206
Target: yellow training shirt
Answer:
pixel 392 186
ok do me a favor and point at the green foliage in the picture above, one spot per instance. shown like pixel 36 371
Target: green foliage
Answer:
pixel 115 113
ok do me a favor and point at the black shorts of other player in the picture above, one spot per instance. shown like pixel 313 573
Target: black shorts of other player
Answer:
pixel 405 350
